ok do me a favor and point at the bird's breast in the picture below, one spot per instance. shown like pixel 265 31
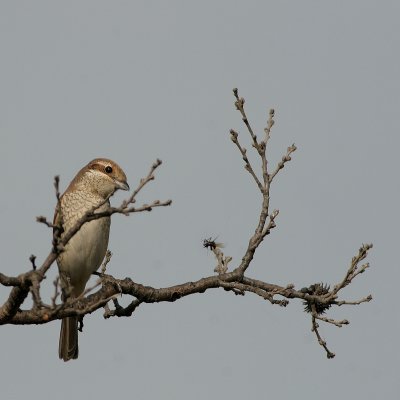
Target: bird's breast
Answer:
pixel 85 251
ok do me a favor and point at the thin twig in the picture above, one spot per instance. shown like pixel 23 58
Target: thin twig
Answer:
pixel 239 103
pixel 286 158
pixel 322 342
pixel 247 166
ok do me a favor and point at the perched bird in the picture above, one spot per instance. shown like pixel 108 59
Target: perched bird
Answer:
pixel 84 253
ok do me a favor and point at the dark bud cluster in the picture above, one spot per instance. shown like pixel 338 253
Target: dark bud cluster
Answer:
pixel 316 289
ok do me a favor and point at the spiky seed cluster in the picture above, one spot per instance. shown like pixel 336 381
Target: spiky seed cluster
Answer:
pixel 317 289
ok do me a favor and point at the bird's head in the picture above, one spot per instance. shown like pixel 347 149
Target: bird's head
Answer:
pixel 101 176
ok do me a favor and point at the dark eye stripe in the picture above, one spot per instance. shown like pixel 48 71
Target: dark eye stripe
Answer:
pixel 101 167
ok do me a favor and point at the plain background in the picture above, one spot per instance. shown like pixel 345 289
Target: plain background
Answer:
pixel 137 80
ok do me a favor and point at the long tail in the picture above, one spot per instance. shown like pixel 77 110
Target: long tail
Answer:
pixel 68 346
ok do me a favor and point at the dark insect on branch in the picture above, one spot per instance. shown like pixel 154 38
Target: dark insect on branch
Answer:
pixel 211 244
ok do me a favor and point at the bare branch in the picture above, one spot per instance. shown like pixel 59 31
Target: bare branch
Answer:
pixel 57 187
pixel 222 260
pixel 121 311
pixel 321 342
pixel 239 103
pixel 270 124
pixel 284 160
pixel 9 280
pixel 337 323
pixel 143 182
pixel 247 166
pixel 32 259
pixel 354 268
pixel 106 261
pixel 318 298
pixel 43 220
pixel 57 292
pixel 354 303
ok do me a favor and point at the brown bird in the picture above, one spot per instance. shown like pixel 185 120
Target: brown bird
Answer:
pixel 84 253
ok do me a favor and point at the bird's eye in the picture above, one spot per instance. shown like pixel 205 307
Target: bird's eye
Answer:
pixel 108 169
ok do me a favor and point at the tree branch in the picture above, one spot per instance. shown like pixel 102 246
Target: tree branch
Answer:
pixel 317 298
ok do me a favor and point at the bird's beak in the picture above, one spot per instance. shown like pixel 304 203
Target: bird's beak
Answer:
pixel 122 185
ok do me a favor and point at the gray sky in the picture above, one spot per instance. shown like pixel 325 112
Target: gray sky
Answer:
pixel 133 81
